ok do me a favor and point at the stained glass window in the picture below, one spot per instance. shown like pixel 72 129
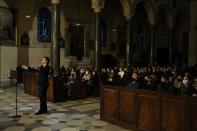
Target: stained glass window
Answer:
pixel 44 25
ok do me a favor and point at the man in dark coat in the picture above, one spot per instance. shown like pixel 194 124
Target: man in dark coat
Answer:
pixel 44 72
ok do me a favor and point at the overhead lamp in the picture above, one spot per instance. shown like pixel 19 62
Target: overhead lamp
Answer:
pixel 28 16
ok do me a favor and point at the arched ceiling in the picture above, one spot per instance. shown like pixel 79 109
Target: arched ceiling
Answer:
pixel 149 10
pixel 164 9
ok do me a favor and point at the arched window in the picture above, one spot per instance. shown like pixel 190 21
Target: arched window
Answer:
pixel 44 25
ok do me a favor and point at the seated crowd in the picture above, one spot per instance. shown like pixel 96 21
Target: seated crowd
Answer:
pixel 161 79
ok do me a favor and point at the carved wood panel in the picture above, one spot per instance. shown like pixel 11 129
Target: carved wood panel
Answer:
pixel 110 104
pixel 128 107
pixel 174 115
pixel 149 113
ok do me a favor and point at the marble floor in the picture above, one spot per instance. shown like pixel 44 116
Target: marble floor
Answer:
pixel 78 115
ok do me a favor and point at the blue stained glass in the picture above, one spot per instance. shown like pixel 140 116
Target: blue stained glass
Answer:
pixel 44 25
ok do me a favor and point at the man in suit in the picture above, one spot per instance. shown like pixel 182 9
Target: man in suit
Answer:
pixel 44 72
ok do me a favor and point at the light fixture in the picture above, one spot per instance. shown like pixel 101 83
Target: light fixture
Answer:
pixel 28 16
pixel 114 30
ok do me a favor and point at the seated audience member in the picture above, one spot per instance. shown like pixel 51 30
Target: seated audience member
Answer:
pixel 148 83
pixel 95 77
pixel 187 88
pixel 111 75
pixel 134 81
pixel 177 84
pixel 104 76
pixel 72 79
pixel 120 77
pixel 81 73
pixel 127 76
pixel 87 78
pixel 171 88
pixel 163 85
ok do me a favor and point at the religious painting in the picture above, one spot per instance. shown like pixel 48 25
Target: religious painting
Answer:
pixel 7 24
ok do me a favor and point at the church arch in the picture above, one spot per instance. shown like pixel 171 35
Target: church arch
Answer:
pixel 181 34
pixel 164 24
pixel 149 10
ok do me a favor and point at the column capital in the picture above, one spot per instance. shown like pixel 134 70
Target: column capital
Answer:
pixel 127 12
pixel 151 22
pixel 170 24
pixel 55 1
pixel 97 5
pixel 126 9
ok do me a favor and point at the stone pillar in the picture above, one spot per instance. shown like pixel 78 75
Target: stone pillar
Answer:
pixel 97 42
pixel 152 45
pixel 67 51
pixel 86 39
pixel 128 46
pixel 55 46
pixel 97 5
pixel 128 14
pixel 192 34
pixel 170 46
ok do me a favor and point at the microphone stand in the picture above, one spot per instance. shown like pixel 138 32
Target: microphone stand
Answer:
pixel 16 115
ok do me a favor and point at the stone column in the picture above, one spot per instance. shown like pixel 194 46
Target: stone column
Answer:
pixel 86 46
pixel 128 14
pixel 128 46
pixel 97 5
pixel 152 44
pixel 67 51
pixel 55 46
pixel 192 55
pixel 97 42
pixel 170 46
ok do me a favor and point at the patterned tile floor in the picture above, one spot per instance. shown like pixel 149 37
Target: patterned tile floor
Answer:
pixel 78 115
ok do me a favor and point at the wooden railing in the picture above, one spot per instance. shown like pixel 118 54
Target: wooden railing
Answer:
pixel 144 110
pixel 57 91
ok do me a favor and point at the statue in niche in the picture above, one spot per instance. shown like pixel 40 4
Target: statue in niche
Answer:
pixel 91 45
pixel 113 46
pixel 25 39
pixel 62 42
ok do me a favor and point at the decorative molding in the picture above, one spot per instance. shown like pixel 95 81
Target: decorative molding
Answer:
pixel 97 5
pixel 55 1
pixel 150 13
pixel 126 9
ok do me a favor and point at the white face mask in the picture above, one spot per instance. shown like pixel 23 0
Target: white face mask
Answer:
pixel 185 82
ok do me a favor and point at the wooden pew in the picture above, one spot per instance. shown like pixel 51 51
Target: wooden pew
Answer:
pixel 79 90
pixel 55 93
pixel 96 90
pixel 144 110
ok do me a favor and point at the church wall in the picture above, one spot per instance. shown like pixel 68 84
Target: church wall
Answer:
pixel 26 55
pixel 81 11
pixel 8 60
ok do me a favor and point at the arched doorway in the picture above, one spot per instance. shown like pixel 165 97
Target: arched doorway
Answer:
pixel 115 26
pixel 181 40
pixel 141 35
pixel 163 40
